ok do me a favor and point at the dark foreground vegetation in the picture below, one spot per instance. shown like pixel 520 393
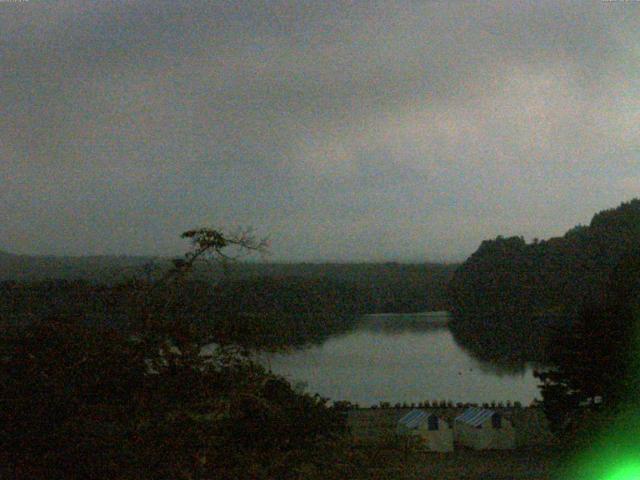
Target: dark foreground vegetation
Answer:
pixel 595 374
pixel 85 400
pixel 88 403
pixel 256 314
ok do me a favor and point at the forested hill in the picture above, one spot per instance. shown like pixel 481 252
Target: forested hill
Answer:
pixel 97 268
pixel 254 305
pixel 513 288
pixel 366 287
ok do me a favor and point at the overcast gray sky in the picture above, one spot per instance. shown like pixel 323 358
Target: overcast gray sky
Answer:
pixel 342 130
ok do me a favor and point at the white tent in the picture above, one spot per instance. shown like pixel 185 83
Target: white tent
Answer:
pixel 436 434
pixel 483 429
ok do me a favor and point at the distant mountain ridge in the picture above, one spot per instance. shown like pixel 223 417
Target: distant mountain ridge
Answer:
pixel 109 267
pixel 375 287
pixel 41 267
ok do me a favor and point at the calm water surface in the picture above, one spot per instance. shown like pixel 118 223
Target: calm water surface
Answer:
pixel 401 358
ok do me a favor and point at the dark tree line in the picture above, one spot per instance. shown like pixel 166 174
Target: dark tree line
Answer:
pixel 596 361
pixel 509 296
pixel 270 306
pixel 367 287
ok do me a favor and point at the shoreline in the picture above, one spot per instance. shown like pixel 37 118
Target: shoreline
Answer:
pixel 530 423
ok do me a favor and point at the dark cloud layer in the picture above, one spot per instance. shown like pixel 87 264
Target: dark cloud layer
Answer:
pixel 343 130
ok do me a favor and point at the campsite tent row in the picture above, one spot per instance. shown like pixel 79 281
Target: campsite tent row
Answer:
pixel 477 428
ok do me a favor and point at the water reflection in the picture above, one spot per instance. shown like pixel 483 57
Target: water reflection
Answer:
pixel 490 358
pixel 403 323
pixel 498 346
pixel 399 358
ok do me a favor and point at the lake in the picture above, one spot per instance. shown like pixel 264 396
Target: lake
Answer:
pixel 401 358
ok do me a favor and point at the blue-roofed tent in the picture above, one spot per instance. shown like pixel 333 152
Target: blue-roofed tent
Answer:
pixel 435 432
pixel 484 429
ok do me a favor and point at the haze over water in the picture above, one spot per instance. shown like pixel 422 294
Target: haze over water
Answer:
pixel 401 358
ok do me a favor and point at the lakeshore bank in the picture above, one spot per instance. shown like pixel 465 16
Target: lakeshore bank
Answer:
pixel 370 424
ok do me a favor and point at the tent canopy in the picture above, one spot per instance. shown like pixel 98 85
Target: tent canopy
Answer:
pixel 475 416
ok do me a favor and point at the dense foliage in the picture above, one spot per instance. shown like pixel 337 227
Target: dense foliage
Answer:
pixel 595 362
pixel 261 312
pixel 81 402
pixel 85 400
pixel 365 287
pixel 507 295
pixel 261 308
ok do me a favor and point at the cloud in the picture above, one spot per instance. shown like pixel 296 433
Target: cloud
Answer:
pixel 369 130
